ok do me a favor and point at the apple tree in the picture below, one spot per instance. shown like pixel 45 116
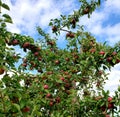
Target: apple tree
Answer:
pixel 57 82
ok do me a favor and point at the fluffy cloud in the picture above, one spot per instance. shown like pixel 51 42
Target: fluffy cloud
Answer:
pixel 104 24
pixel 113 79
pixel 28 14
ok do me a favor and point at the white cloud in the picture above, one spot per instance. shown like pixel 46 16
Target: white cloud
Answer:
pixel 101 22
pixel 113 79
pixel 28 14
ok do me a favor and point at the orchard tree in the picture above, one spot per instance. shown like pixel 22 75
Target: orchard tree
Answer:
pixel 65 82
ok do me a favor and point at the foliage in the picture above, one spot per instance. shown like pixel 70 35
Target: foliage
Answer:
pixel 67 82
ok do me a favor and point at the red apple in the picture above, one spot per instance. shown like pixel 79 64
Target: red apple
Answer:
pixel 110 99
pixel 36 53
pixel 118 61
pixel 67 59
pixel 57 100
pixel 24 64
pixel 48 95
pixel 26 109
pixel 26 45
pixel 15 42
pixel 46 86
pixel 110 105
pixel 114 53
pixel 51 103
pixel 1 71
pixel 62 78
pixel 107 115
pixel 109 59
pixel 92 50
pixel 57 62
pixel 54 28
pixel 101 52
pixel 86 10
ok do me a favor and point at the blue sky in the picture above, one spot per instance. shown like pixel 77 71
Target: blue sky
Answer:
pixel 104 23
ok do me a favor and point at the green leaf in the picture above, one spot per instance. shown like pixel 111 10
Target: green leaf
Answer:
pixel 17 107
pixel 8 20
pixel 5 6
pixel 6 16
pixel 99 2
pixel 0 3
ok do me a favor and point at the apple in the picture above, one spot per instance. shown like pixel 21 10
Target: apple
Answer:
pixel 39 58
pixel 114 53
pixel 15 42
pixel 67 59
pixel 107 115
pixel 117 61
pixel 110 99
pixel 46 86
pixel 48 95
pixel 62 78
pixel 36 53
pixel 109 59
pixel 110 105
pixel 49 73
pixel 57 100
pixel 86 10
pixel 54 28
pixel 26 45
pixel 24 64
pixel 26 109
pixel 71 35
pixel 101 52
pixel 66 73
pixel 92 50
pixel 2 71
pixel 57 62
pixel 51 103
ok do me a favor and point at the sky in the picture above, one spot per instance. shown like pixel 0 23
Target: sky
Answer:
pixel 104 23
